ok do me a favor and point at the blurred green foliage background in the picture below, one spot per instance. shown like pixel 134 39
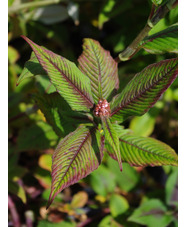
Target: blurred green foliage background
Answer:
pixel 107 197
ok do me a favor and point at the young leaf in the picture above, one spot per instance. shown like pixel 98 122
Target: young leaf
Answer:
pixel 143 91
pixel 100 67
pixel 31 68
pixel 69 81
pixel 144 151
pixel 162 42
pixel 112 138
pixel 76 156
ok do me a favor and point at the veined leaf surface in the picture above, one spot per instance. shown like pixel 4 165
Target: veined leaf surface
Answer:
pixel 31 68
pixel 144 151
pixel 76 156
pixel 69 81
pixel 144 90
pixel 162 42
pixel 100 67
pixel 112 138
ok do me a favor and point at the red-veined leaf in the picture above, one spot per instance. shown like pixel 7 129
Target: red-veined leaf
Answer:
pixel 112 138
pixel 76 156
pixel 162 42
pixel 69 81
pixel 100 67
pixel 144 151
pixel 143 91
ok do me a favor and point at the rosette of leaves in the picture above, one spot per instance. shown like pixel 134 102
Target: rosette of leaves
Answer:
pixel 79 106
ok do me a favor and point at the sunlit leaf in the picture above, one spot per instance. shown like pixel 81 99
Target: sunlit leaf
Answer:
pixel 118 205
pixel 76 156
pixel 79 200
pixel 143 91
pixel 112 138
pixel 45 161
pixel 17 190
pixel 162 42
pixel 100 67
pixel 69 81
pixel 144 151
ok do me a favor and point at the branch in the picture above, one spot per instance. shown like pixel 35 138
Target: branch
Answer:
pixel 156 14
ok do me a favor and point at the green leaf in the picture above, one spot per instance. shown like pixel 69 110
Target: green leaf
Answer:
pixel 13 55
pixel 59 114
pixel 162 42
pixel 69 81
pixel 157 2
pixel 35 137
pixel 112 138
pixel 171 189
pixel 31 69
pixel 151 213
pixel 16 189
pixel 143 126
pixel 126 179
pixel 102 181
pixel 100 67
pixel 144 90
pixel 44 85
pixel 45 161
pixel 144 151
pixel 118 205
pixel 107 8
pixel 109 221
pixel 44 223
pixel 76 156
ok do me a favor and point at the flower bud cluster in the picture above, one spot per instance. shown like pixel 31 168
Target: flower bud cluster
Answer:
pixel 102 108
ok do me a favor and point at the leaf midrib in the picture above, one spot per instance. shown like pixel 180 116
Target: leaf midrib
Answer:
pixel 83 95
pixel 141 93
pixel 76 153
pixel 122 140
pixel 151 38
pixel 99 69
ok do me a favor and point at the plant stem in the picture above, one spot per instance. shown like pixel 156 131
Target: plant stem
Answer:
pixel 156 14
pixel 13 211
pixel 16 8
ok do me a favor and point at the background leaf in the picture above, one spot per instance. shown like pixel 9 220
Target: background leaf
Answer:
pixel 151 213
pixel 59 114
pixel 107 179
pixel 118 205
pixel 36 136
pixel 127 179
pixel 172 189
pixel 32 67
pixel 100 67
pixel 143 91
pixel 76 156
pixel 66 77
